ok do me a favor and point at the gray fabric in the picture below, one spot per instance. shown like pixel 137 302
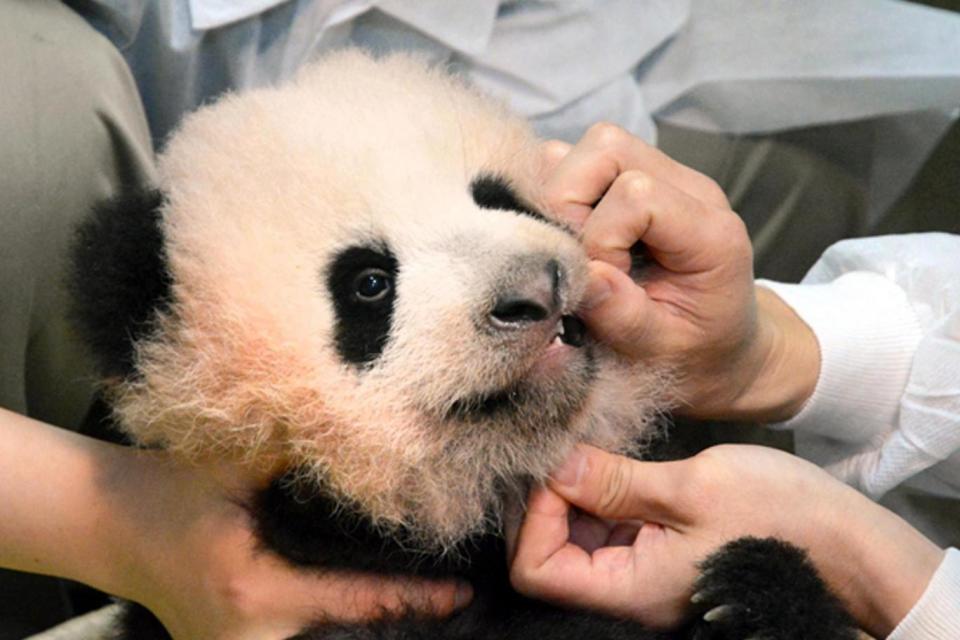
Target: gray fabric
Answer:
pixel 72 131
pixel 787 194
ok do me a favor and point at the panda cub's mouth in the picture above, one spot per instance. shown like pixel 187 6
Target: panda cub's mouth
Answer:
pixel 570 331
pixel 488 406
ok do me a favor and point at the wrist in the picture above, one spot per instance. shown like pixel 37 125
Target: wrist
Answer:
pixel 780 367
pixel 875 562
pixel 896 573
pixel 56 488
pixel 112 564
pixel 149 505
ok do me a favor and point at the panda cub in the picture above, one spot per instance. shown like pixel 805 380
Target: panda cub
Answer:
pixel 352 278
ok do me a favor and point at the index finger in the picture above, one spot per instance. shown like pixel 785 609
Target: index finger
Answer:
pixel 606 151
pixel 683 234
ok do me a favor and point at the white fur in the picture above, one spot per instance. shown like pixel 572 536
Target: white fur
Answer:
pixel 263 189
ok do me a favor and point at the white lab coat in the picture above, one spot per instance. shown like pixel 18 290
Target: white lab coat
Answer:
pixel 723 66
pixel 885 413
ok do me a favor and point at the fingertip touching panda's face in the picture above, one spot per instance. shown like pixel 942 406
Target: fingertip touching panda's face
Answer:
pixel 369 290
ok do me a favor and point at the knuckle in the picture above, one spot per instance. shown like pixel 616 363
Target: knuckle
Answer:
pixel 607 134
pixel 441 599
pixel 359 598
pixel 704 463
pixel 735 226
pixel 712 193
pixel 436 598
pixel 554 149
pixel 552 199
pixel 557 198
pixel 637 186
pixel 737 236
pixel 239 598
pixel 522 579
pixel 614 486
pixel 706 472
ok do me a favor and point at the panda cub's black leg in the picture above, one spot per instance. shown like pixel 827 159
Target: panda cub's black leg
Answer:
pixel 753 589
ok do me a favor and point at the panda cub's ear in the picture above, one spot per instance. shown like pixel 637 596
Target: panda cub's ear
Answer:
pixel 119 277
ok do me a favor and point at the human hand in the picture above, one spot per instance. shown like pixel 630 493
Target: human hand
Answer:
pixel 173 537
pixel 633 548
pixel 695 306
pixel 194 561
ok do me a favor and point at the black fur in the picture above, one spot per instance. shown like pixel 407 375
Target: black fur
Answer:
pixel 512 619
pixel 362 327
pixel 478 408
pixel 773 590
pixel 137 623
pixel 119 277
pixel 493 191
pixel 299 521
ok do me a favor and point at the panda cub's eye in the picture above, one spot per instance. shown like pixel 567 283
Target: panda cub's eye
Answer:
pixel 363 282
pixel 372 285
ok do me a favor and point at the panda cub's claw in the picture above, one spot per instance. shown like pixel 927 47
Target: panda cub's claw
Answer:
pixel 719 613
pixel 753 589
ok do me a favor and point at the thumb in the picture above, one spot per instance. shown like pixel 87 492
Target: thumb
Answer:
pixel 619 312
pixel 611 486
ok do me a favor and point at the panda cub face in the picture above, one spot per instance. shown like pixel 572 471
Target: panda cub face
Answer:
pixel 366 287
pixel 471 329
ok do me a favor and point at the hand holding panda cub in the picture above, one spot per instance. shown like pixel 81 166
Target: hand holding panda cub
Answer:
pixel 354 283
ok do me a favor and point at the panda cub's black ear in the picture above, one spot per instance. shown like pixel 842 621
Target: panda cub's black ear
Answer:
pixel 119 277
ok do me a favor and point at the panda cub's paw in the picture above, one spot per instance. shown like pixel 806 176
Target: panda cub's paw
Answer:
pixel 753 589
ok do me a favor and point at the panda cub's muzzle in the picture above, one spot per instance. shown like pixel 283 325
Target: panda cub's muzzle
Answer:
pixel 530 321
pixel 536 297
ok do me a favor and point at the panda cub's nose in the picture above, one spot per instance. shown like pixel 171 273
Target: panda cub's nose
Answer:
pixel 532 295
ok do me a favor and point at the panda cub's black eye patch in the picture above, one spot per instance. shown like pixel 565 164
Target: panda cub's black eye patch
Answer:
pixel 362 284
pixel 492 191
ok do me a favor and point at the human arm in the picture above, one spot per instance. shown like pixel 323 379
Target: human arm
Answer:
pixel 886 313
pixel 173 537
pixel 874 561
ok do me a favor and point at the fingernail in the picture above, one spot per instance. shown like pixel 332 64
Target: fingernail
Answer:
pixel 571 470
pixel 463 595
pixel 598 290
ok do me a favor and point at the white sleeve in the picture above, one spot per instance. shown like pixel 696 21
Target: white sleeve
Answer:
pixel 936 616
pixel 886 313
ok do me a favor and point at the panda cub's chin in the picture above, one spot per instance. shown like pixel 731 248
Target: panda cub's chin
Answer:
pixel 554 380
pixel 546 394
